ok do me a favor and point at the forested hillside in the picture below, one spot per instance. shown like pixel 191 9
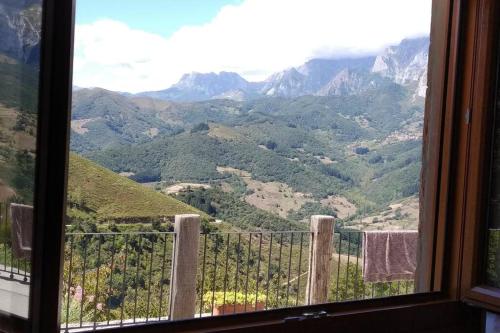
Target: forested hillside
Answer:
pixel 348 145
pixel 17 129
pixel 345 154
pixel 20 27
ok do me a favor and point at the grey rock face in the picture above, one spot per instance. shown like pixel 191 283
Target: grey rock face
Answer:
pixel 404 64
pixel 198 86
pixel 20 28
pixel 349 82
pixel 288 83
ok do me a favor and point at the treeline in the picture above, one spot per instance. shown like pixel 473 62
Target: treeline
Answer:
pixel 232 209
pixel 195 157
pixel 319 145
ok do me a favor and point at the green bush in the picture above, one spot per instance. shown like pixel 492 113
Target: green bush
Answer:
pixel 228 298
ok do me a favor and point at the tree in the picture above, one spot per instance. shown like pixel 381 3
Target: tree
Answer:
pixel 200 127
pixel 271 145
pixel 361 150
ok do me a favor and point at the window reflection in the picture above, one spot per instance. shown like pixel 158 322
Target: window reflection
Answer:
pixel 493 251
pixel 20 29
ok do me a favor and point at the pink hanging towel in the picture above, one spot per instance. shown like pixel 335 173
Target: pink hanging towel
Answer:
pixel 21 230
pixel 389 255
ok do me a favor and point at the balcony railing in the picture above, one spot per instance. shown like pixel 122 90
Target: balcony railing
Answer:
pixel 11 268
pixel 126 278
pixel 120 279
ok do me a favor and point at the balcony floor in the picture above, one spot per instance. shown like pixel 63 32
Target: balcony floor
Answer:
pixel 14 296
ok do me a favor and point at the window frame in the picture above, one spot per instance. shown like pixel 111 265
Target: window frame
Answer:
pixel 479 97
pixel 54 104
pixel 440 239
pixel 55 87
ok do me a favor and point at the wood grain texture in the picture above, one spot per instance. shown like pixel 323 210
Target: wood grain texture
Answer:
pixel 320 255
pixel 434 173
pixel 183 292
pixel 476 161
pixel 440 317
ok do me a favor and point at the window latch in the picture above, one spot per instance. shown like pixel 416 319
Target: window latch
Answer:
pixel 307 316
pixel 467 116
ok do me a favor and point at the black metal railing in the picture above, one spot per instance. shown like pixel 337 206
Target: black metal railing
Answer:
pixel 124 278
pixel 247 271
pixel 11 268
pixel 116 279
pixel 347 279
pixel 119 279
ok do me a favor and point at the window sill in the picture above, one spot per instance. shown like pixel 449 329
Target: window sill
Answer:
pixel 345 311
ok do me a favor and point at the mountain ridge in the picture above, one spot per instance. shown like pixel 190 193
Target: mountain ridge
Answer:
pixel 404 64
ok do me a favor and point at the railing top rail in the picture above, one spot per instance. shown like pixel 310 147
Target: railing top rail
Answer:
pixel 349 232
pixel 257 232
pixel 266 232
pixel 120 233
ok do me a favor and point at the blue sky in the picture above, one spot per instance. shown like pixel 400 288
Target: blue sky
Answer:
pixel 162 17
pixel 142 45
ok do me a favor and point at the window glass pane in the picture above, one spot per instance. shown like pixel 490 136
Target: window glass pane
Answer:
pixel 492 323
pixel 254 115
pixel 493 251
pixel 20 29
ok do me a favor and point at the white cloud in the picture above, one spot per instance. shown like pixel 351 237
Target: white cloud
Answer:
pixel 255 39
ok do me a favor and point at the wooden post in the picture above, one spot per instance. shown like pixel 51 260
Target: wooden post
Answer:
pixel 184 267
pixel 320 255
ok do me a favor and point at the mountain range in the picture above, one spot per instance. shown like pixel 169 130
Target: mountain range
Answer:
pixel 405 64
pixel 303 139
pixel 319 138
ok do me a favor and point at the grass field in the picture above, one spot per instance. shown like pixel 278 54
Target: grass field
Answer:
pixel 106 196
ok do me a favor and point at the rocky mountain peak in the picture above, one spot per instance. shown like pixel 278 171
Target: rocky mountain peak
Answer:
pixel 349 82
pixel 404 63
pixel 287 83
pixel 203 86
pixel 211 81
pixel 20 28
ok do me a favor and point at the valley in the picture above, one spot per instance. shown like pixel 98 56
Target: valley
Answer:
pixel 338 133
pixel 340 137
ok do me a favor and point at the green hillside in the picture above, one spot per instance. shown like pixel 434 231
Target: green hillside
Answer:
pixel 101 193
pixel 18 85
pixel 354 154
pixel 18 100
pixel 111 119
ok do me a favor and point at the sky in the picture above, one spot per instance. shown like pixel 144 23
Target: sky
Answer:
pixel 161 17
pixel 144 45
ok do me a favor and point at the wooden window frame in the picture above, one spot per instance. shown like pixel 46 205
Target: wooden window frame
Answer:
pixel 53 132
pixel 441 243
pixel 480 65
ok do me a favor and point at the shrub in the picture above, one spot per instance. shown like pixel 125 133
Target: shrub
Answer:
pixel 376 159
pixel 200 127
pixel 271 145
pixel 361 150
pixel 218 299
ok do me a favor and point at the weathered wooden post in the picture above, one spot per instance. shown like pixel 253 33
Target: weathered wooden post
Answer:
pixel 320 255
pixel 184 267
